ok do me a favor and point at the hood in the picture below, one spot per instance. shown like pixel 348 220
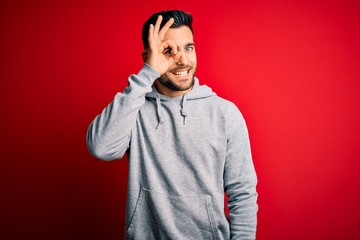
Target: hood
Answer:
pixel 197 92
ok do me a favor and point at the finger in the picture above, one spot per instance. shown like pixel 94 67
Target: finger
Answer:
pixel 172 46
pixel 151 35
pixel 157 27
pixel 169 44
pixel 165 28
pixel 171 60
pixel 177 56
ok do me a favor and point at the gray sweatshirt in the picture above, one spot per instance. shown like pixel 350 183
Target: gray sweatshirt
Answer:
pixel 183 154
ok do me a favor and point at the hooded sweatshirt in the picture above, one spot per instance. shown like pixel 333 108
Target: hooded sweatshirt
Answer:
pixel 183 154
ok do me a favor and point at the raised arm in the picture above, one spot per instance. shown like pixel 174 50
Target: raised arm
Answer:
pixel 109 133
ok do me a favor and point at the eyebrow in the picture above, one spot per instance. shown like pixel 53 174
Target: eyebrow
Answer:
pixel 190 44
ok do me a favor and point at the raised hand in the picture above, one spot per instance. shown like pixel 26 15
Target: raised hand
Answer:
pixel 155 55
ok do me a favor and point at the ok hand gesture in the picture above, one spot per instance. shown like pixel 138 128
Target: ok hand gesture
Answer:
pixel 154 55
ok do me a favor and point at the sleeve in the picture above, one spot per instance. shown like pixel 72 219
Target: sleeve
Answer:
pixel 108 135
pixel 240 180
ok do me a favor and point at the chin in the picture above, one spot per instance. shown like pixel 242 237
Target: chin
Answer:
pixel 177 83
pixel 187 83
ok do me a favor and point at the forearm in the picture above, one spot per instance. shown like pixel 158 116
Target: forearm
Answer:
pixel 109 133
pixel 242 199
pixel 243 212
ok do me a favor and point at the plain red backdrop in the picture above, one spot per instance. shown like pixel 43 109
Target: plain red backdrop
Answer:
pixel 292 67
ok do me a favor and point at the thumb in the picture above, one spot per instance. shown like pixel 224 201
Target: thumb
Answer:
pixel 171 60
pixel 176 57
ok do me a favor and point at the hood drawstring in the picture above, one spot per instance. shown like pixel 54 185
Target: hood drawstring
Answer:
pixel 183 107
pixel 183 110
pixel 158 108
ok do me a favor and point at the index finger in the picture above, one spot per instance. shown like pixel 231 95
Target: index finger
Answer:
pixel 168 44
pixel 165 28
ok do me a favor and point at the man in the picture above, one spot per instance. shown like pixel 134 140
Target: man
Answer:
pixel 186 146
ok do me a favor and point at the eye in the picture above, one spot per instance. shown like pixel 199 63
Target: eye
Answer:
pixel 168 51
pixel 189 48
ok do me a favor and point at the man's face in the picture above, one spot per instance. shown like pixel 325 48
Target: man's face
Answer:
pixel 180 75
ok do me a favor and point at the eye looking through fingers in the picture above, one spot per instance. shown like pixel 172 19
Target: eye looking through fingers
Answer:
pixel 169 47
pixel 168 52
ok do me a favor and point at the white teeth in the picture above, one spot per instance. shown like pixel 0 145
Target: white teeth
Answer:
pixel 182 73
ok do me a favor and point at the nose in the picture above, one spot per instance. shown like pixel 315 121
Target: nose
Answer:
pixel 182 59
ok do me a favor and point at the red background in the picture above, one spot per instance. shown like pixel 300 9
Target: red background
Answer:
pixel 292 67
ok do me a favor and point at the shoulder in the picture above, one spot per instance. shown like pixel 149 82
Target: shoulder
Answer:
pixel 219 106
pixel 229 108
pixel 233 119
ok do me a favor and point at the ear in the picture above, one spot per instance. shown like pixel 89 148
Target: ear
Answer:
pixel 144 55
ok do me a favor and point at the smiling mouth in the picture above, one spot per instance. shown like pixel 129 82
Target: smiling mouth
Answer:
pixel 181 73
